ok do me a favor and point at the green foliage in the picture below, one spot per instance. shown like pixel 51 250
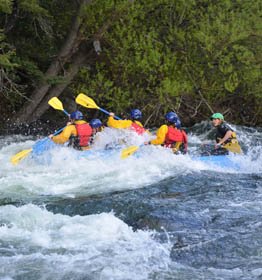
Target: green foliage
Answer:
pixel 6 54
pixel 232 82
pixel 5 60
pixel 28 48
pixel 155 53
pixel 6 6
pixel 33 7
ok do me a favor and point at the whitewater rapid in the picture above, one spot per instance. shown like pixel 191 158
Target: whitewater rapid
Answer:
pixel 37 243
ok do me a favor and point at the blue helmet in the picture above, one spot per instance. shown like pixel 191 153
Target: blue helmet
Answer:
pixel 136 114
pixel 178 124
pixel 95 123
pixel 171 117
pixel 77 115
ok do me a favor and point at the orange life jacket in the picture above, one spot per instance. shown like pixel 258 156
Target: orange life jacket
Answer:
pixel 174 136
pixel 137 128
pixel 84 132
pixel 185 139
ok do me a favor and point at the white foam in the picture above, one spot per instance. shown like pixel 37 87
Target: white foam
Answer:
pixel 68 174
pixel 100 242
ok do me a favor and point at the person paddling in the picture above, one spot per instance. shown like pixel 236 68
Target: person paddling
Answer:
pixel 171 135
pixel 133 124
pixel 97 126
pixel 77 132
pixel 226 139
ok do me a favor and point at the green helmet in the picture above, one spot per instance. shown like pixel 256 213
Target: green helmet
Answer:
pixel 217 116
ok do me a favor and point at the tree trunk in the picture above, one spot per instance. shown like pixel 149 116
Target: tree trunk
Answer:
pixel 11 19
pixel 79 60
pixel 69 48
pixel 70 53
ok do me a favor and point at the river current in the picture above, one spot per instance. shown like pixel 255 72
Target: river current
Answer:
pixel 153 215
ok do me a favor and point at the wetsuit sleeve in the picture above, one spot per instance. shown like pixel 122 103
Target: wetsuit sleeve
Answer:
pixel 64 136
pixel 160 135
pixel 224 132
pixel 118 123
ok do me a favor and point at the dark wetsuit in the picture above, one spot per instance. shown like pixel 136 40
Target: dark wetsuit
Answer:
pixel 222 129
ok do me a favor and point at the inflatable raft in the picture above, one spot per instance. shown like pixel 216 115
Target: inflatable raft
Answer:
pixel 42 150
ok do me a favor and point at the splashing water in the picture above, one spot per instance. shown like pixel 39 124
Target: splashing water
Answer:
pixel 80 237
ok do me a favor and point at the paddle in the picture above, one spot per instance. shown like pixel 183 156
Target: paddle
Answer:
pixel 209 149
pixel 233 148
pixel 19 156
pixel 56 104
pixel 129 151
pixel 88 102
pixel 24 153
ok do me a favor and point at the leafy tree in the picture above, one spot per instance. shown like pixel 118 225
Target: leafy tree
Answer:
pixel 194 57
pixel 191 56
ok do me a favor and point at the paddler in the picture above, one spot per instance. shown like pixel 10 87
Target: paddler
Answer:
pixel 226 139
pixel 171 135
pixel 97 126
pixel 77 132
pixel 133 124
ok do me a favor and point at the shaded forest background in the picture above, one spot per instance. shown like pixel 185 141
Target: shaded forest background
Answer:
pixel 193 56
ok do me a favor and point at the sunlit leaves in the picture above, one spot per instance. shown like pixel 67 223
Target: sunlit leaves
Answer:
pixel 32 6
pixel 232 82
pixel 225 64
pixel 6 6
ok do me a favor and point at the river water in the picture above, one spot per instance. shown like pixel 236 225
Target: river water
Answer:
pixel 151 216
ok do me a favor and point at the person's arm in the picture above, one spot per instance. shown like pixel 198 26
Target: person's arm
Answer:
pixel 139 123
pixel 118 123
pixel 224 139
pixel 160 135
pixel 64 135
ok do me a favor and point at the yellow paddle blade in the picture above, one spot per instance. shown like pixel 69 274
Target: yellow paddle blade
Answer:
pixel 56 103
pixel 128 151
pixel 19 156
pixel 233 147
pixel 86 101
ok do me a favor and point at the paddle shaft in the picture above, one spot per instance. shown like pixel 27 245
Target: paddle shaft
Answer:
pixel 89 103
pixel 66 112
pixel 21 155
pixel 59 130
pixel 106 112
